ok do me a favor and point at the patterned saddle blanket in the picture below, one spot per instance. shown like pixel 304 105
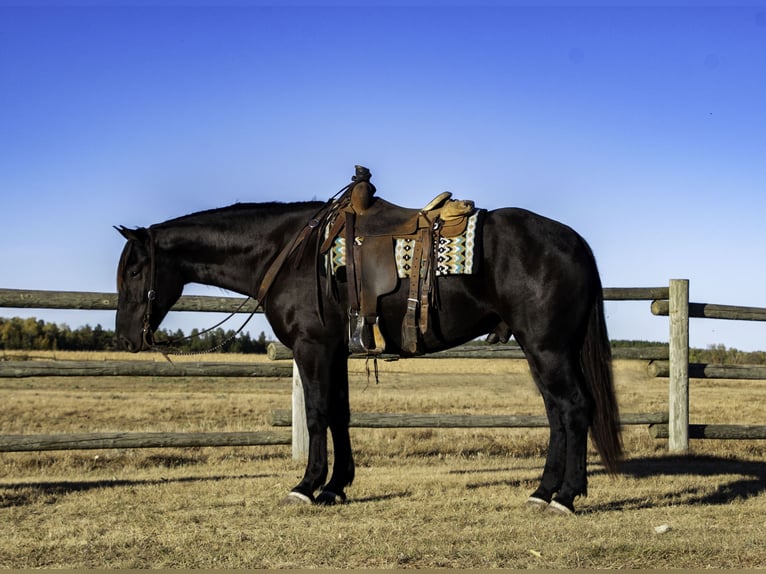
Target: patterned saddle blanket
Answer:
pixel 454 255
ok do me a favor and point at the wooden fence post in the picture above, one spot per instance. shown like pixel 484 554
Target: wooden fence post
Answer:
pixel 300 427
pixel 678 397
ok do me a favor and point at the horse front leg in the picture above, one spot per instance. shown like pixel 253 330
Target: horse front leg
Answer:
pixel 343 466
pixel 315 370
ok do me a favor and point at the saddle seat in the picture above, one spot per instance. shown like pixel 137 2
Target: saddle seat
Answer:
pixel 370 226
pixel 383 218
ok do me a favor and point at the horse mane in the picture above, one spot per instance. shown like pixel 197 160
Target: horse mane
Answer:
pixel 255 210
pixel 227 215
pixel 121 268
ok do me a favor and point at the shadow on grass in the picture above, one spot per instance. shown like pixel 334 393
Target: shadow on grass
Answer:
pixel 26 493
pixel 380 498
pixel 739 480
pixel 529 483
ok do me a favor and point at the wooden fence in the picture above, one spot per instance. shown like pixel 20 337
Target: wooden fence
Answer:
pixel 670 361
pixel 678 308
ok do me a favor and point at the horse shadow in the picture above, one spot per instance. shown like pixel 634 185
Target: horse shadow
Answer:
pixel 739 480
pixel 27 493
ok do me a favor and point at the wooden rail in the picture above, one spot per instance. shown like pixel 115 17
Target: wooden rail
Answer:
pixel 278 352
pixel 708 371
pixel 21 369
pixel 708 311
pixel 283 418
pixel 725 432
pixel 82 300
pixel 635 293
pixel 21 443
pixel 85 300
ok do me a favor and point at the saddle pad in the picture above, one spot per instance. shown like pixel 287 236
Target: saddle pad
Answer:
pixel 456 255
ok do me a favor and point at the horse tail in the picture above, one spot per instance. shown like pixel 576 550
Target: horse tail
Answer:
pixel 596 361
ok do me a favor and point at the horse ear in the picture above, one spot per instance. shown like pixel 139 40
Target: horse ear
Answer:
pixel 131 234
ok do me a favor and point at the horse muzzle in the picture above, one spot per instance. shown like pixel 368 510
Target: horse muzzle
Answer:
pixel 132 346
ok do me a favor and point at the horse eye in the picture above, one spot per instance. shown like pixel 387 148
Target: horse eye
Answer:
pixel 135 273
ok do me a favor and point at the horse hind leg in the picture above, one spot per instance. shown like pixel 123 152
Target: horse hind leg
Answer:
pixel 553 472
pixel 568 408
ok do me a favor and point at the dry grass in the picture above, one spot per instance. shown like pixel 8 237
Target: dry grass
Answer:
pixel 422 498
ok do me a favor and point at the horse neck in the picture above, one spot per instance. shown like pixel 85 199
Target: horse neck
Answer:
pixel 231 250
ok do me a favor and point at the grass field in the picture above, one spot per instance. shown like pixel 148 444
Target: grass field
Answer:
pixel 422 497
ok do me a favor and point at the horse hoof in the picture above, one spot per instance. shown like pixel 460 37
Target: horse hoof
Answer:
pixel 329 498
pixel 536 504
pixel 295 498
pixel 558 509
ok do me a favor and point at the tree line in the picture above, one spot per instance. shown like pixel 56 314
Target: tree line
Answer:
pixel 37 335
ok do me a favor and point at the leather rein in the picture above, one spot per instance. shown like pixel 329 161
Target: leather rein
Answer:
pixel 266 282
pixel 151 295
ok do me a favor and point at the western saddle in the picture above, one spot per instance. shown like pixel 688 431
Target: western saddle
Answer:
pixel 370 227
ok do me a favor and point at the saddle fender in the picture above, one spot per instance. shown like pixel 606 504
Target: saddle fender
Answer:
pixel 378 272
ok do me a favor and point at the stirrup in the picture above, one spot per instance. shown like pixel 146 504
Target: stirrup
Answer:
pixel 357 328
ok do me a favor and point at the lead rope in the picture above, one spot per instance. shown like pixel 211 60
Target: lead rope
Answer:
pixel 165 352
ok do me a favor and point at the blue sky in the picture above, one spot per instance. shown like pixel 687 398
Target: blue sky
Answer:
pixel 642 126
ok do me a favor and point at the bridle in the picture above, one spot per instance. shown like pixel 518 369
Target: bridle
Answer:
pixel 165 347
pixel 151 295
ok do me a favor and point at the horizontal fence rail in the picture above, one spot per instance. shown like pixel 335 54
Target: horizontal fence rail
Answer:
pixel 709 311
pixel 87 301
pixel 723 432
pixel 22 369
pixel 635 293
pixel 93 301
pixel 277 351
pixel 708 371
pixel 82 441
pixel 284 418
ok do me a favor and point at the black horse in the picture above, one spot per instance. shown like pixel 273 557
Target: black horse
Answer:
pixel 537 280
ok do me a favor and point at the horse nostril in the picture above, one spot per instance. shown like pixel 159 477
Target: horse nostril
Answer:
pixel 127 344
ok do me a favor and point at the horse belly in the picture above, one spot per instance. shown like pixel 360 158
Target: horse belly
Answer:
pixel 460 313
